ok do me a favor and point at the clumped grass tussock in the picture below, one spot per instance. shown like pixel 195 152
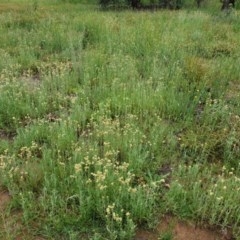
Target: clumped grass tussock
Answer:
pixel 204 195
pixel 107 118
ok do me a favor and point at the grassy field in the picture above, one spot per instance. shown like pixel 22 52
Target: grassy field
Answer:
pixel 111 120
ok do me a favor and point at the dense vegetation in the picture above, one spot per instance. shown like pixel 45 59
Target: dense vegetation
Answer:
pixel 108 120
pixel 138 4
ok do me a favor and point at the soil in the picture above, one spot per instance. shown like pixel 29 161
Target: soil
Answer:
pixel 171 228
pixel 13 222
pixel 6 136
pixel 4 199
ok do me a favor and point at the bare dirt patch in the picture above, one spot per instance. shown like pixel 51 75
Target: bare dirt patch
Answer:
pixel 179 230
pixel 26 236
pixel 10 224
pixel 6 136
pixel 4 199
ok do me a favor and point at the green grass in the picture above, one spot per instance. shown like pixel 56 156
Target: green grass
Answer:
pixel 95 106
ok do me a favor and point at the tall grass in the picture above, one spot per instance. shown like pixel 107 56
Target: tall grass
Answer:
pixel 95 106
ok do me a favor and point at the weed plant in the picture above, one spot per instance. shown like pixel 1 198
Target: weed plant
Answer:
pixel 107 119
pixel 204 195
